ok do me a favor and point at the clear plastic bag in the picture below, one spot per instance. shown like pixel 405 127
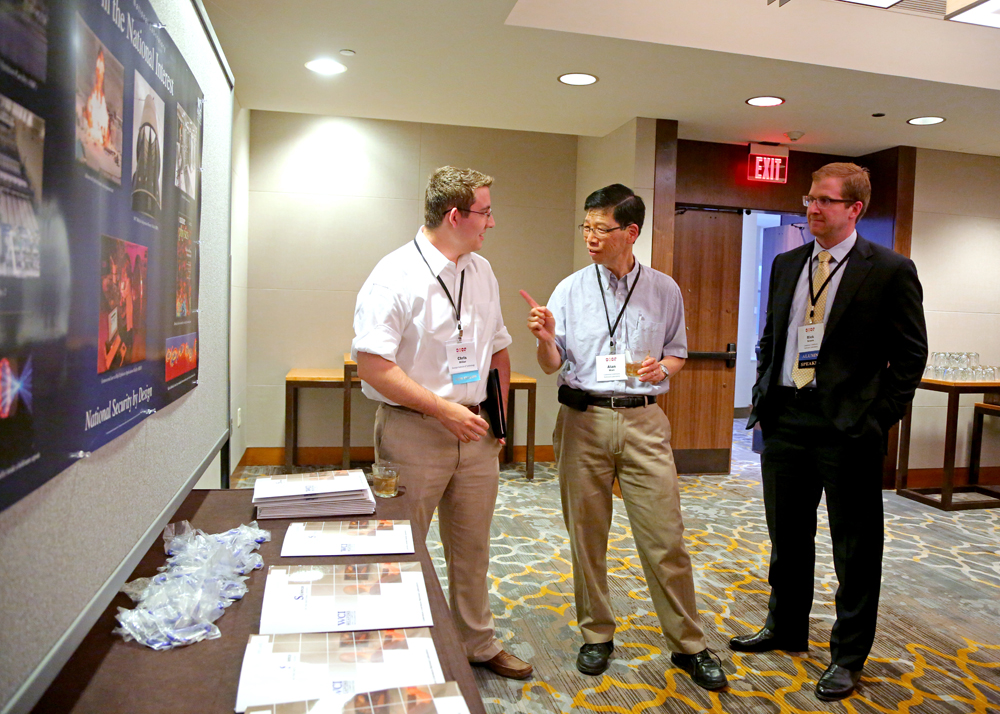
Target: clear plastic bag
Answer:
pixel 204 574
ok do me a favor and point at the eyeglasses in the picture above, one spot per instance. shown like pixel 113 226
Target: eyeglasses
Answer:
pixel 599 232
pixel 825 201
pixel 488 212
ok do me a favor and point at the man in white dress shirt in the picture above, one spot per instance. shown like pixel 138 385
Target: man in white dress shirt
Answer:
pixel 428 329
pixel 609 426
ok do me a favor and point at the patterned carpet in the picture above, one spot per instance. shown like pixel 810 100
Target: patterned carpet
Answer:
pixel 937 648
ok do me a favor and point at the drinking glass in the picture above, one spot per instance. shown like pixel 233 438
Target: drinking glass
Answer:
pixel 938 359
pixel 978 374
pixel 964 374
pixel 973 359
pixel 385 475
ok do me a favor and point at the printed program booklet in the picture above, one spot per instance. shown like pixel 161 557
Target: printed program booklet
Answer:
pixel 335 667
pixel 423 699
pixel 344 598
pixel 318 494
pixel 360 537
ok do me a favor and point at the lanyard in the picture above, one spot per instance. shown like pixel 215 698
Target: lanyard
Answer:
pixel 607 315
pixel 813 299
pixel 461 291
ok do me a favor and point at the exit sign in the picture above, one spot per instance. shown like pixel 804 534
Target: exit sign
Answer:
pixel 769 169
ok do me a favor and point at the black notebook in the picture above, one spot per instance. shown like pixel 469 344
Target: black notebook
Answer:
pixel 494 405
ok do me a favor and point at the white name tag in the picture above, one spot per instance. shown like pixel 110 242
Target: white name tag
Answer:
pixel 610 368
pixel 810 339
pixel 462 361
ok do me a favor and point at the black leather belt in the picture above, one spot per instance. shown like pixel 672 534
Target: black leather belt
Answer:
pixel 474 408
pixel 806 394
pixel 627 402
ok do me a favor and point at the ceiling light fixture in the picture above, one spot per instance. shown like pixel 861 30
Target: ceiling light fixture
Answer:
pixel 577 79
pixel 765 101
pixel 874 3
pixel 348 53
pixel 325 66
pixel 974 12
pixel 925 121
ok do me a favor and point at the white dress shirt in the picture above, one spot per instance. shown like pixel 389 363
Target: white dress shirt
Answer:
pixel 800 302
pixel 582 326
pixel 404 316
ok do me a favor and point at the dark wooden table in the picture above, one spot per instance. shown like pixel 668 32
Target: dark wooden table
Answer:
pixel 108 675
pixel 946 491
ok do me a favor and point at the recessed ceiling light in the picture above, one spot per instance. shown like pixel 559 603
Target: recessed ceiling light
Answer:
pixel 326 66
pixel 925 121
pixel 578 79
pixel 765 101
pixel 348 53
pixel 975 12
pixel 875 3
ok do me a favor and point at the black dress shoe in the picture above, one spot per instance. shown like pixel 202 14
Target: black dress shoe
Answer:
pixel 593 659
pixel 836 683
pixel 764 640
pixel 705 669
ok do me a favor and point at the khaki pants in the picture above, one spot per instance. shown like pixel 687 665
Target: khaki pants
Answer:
pixel 593 447
pixel 460 480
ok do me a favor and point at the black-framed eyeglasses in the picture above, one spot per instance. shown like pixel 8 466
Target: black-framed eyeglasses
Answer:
pixel 599 232
pixel 825 201
pixel 488 212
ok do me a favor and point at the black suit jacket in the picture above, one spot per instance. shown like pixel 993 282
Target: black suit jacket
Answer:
pixel 874 346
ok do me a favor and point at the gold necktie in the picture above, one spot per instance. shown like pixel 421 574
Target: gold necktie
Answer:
pixel 804 375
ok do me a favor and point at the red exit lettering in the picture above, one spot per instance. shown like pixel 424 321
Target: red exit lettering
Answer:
pixel 772 169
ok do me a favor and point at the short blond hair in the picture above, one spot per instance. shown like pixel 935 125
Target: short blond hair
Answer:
pixel 855 182
pixel 449 188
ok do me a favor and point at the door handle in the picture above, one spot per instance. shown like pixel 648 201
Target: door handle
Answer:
pixel 729 355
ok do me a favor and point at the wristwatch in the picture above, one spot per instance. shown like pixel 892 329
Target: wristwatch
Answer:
pixel 666 374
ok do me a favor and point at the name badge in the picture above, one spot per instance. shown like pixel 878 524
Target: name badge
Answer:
pixel 462 361
pixel 610 368
pixel 810 339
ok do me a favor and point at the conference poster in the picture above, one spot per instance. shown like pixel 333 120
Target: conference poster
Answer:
pixel 101 131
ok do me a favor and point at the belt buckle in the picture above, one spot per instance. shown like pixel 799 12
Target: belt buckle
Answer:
pixel 617 406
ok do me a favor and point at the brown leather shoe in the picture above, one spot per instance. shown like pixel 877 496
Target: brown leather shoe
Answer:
pixel 507 665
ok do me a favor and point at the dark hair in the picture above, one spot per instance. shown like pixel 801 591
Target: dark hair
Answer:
pixel 629 208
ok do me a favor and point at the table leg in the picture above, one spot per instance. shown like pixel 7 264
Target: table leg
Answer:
pixel 529 466
pixel 950 441
pixel 902 469
pixel 977 446
pixel 345 461
pixel 291 423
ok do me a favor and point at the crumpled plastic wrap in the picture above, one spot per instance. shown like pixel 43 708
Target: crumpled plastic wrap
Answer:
pixel 204 574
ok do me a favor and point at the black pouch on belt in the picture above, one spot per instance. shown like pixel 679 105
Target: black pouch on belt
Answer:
pixel 574 398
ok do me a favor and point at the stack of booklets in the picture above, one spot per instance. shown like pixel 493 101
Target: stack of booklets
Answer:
pixel 323 493
pixel 338 668
pixel 345 638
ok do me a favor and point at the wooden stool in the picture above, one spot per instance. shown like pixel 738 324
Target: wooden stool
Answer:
pixel 978 413
pixel 297 379
pixel 528 384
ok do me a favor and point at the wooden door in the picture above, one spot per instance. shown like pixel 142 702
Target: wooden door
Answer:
pixel 706 266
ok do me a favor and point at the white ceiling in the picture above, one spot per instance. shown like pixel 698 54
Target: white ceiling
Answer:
pixel 494 63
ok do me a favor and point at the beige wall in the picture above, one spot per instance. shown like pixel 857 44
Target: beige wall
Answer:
pixel 627 156
pixel 329 196
pixel 239 248
pixel 956 247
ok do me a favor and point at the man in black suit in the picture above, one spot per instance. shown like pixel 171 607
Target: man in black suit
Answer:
pixel 842 353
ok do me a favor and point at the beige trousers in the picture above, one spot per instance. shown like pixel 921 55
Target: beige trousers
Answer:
pixel 593 447
pixel 460 480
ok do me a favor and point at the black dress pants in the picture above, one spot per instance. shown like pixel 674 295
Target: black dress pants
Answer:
pixel 805 456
